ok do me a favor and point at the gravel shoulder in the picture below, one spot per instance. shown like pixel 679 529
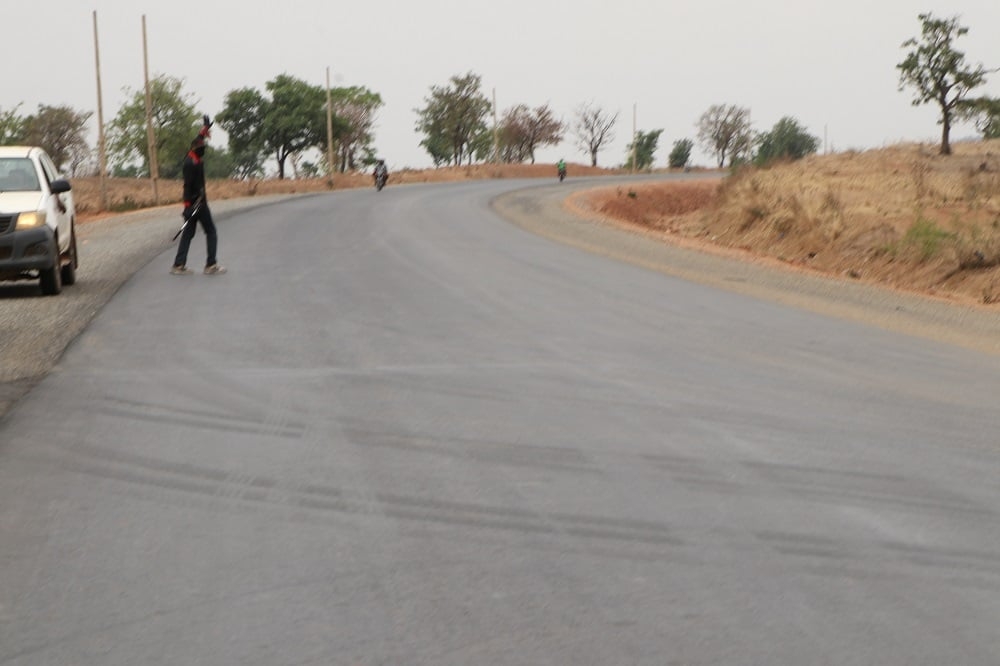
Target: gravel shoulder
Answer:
pixel 554 213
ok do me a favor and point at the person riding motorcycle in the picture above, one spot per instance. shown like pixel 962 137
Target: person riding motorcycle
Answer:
pixel 381 174
pixel 561 166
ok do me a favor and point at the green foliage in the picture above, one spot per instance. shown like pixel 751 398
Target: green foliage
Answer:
pixel 291 119
pixel 354 111
pixel 643 148
pixel 938 72
pixel 295 118
pixel 986 112
pixel 594 128
pixel 174 120
pixel 786 140
pixel 726 132
pixel 439 148
pixel 61 131
pixel 926 237
pixel 453 117
pixel 680 154
pixel 219 163
pixel 11 127
pixel 242 117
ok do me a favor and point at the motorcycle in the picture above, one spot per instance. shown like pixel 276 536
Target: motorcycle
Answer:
pixel 381 178
pixel 562 174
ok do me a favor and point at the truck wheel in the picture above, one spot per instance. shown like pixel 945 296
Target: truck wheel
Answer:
pixel 69 269
pixel 50 279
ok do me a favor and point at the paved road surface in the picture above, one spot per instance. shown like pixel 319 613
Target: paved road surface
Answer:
pixel 404 431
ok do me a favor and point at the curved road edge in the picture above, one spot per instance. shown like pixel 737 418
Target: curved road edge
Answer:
pixel 116 247
pixel 549 212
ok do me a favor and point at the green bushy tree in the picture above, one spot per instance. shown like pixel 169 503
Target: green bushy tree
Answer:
pixel 680 154
pixel 642 149
pixel 786 140
pixel 938 72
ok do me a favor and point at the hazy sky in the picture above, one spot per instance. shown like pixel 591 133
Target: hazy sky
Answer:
pixel 830 65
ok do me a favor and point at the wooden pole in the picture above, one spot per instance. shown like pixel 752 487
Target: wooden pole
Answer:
pixel 102 156
pixel 329 130
pixel 154 167
pixel 635 136
pixel 496 130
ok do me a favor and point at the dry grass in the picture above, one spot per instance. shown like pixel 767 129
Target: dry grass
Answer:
pixel 901 216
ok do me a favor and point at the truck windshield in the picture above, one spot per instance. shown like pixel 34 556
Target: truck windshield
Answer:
pixel 17 174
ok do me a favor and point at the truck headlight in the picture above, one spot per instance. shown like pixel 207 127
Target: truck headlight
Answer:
pixel 30 220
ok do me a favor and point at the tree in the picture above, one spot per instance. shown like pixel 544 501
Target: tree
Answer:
pixel 726 131
pixel 939 73
pixel 787 139
pixel 354 112
pixel 439 148
pixel 219 163
pixel 11 126
pixel 174 120
pixel 61 131
pixel 454 118
pixel 295 118
pixel 644 146
pixel 594 128
pixel 986 113
pixel 242 118
pixel 680 154
pixel 524 130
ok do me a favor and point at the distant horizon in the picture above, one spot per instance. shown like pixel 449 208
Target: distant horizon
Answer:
pixel 832 72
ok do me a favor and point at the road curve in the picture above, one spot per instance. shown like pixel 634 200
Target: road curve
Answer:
pixel 403 430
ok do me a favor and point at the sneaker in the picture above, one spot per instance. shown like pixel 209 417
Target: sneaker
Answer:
pixel 180 270
pixel 215 269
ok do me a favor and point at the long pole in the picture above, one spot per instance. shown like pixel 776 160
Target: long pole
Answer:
pixel 154 167
pixel 496 130
pixel 102 157
pixel 329 131
pixel 635 134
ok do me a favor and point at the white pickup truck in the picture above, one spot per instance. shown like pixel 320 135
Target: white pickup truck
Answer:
pixel 37 220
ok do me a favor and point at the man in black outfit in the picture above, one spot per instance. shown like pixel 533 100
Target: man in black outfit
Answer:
pixel 196 208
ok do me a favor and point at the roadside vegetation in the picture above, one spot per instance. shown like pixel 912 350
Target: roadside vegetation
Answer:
pixel 904 216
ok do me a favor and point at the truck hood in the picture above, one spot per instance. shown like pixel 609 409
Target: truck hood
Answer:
pixel 18 202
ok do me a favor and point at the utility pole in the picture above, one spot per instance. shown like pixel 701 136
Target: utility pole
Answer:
pixel 329 130
pixel 154 166
pixel 635 133
pixel 496 137
pixel 102 157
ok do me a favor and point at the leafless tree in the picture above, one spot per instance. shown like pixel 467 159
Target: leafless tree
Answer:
pixel 61 131
pixel 593 129
pixel 726 131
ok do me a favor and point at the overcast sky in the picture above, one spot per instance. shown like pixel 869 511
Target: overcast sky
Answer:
pixel 830 65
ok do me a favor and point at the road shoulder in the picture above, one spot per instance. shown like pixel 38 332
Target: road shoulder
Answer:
pixel 553 213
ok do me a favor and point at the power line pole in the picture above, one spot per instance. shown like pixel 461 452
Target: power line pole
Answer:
pixel 496 136
pixel 329 130
pixel 154 167
pixel 102 158
pixel 635 133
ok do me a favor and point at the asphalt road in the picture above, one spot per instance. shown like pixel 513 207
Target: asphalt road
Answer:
pixel 402 430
